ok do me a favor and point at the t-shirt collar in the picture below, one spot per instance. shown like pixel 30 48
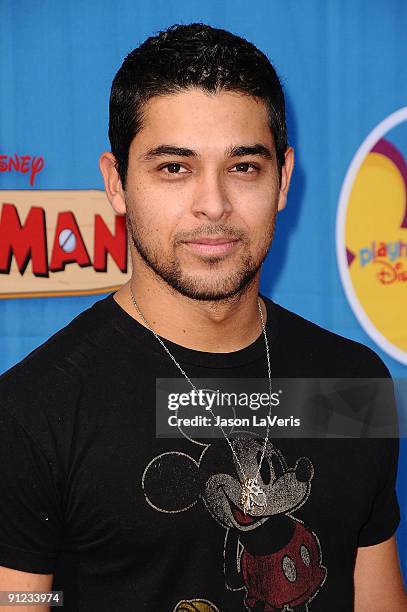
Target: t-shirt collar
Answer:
pixel 136 333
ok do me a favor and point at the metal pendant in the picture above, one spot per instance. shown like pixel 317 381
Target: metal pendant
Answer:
pixel 252 495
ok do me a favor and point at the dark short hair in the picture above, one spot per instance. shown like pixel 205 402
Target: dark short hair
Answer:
pixel 184 56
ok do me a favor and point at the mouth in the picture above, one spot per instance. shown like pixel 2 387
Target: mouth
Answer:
pixel 211 246
pixel 240 517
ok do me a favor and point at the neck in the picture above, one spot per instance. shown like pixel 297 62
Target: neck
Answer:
pixel 216 327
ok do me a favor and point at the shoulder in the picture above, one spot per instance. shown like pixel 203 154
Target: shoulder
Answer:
pixel 333 354
pixel 52 374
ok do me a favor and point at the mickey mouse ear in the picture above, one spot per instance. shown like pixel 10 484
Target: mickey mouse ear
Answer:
pixel 170 482
pixel 205 432
pixel 197 411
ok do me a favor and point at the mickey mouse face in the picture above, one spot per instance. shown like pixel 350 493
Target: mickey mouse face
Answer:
pixel 173 481
pixel 282 489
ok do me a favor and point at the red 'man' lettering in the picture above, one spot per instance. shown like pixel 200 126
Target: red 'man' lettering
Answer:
pixel 25 242
pixel 69 246
pixel 105 243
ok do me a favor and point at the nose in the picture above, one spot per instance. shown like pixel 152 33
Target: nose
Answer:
pixel 303 469
pixel 210 198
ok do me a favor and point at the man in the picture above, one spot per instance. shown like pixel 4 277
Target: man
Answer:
pixel 93 502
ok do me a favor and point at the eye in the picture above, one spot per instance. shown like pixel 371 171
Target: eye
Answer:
pixel 173 168
pixel 247 165
pixel 277 465
pixel 264 469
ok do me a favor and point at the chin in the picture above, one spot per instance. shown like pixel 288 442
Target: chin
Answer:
pixel 210 291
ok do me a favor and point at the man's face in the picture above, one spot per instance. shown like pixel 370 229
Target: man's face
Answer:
pixel 202 220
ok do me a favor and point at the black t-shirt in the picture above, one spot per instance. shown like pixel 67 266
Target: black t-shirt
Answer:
pixel 128 521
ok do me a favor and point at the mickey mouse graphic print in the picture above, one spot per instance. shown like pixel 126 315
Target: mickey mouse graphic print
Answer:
pixel 282 569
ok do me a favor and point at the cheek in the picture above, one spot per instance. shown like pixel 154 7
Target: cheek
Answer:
pixel 150 214
pixel 215 498
pixel 257 208
pixel 159 207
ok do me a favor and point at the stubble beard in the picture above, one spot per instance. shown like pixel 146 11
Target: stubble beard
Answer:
pixel 223 286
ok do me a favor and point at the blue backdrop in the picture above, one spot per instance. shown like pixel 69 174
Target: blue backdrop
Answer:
pixel 344 69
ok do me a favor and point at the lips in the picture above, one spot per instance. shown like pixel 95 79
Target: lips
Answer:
pixel 208 240
pixel 211 246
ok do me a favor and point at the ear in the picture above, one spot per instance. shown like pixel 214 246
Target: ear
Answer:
pixel 286 172
pixel 113 184
pixel 170 482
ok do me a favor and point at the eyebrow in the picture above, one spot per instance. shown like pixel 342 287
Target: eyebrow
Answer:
pixel 236 151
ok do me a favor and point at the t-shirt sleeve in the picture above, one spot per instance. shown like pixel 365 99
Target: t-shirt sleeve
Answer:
pixel 29 509
pixel 384 516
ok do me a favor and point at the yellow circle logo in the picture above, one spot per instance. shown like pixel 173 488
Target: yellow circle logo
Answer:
pixel 371 235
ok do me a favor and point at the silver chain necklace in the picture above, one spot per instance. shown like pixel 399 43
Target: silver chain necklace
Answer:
pixel 252 494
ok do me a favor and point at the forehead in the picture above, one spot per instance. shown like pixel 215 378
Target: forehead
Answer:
pixel 204 121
